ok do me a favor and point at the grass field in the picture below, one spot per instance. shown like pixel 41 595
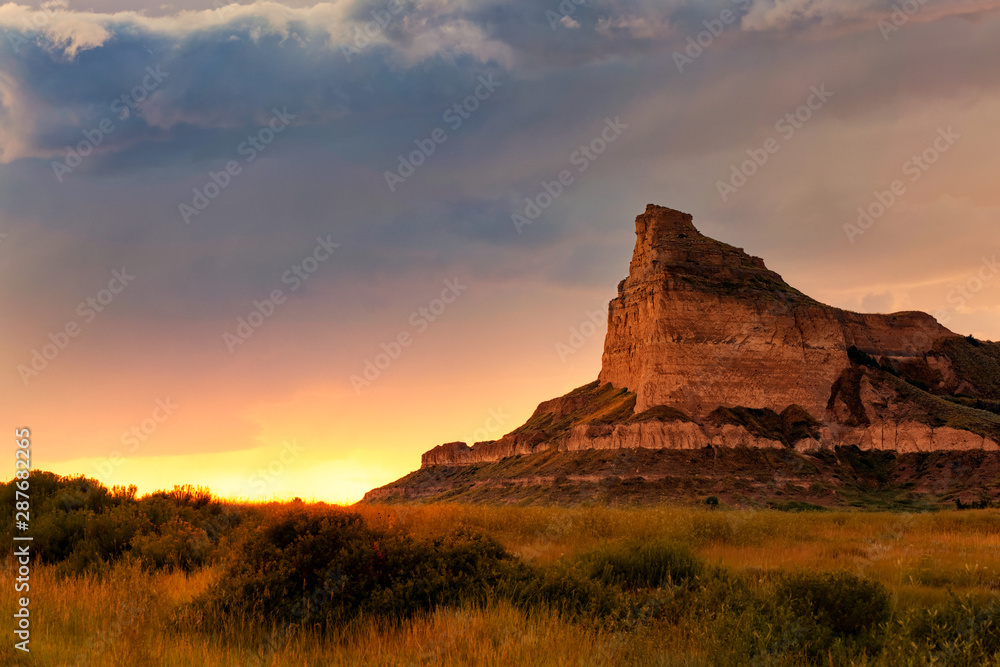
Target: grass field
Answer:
pixel 941 571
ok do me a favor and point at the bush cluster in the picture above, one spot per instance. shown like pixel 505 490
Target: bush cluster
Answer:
pixel 308 566
pixel 640 565
pixel 81 525
pixel 322 566
pixel 824 610
pixel 292 566
pixel 312 566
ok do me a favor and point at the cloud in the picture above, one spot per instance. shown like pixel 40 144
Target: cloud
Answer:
pixel 837 16
pixel 62 71
pixel 52 23
pixel 67 72
pixel 636 27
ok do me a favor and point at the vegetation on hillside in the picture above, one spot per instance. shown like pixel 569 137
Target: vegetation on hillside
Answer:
pixel 760 478
pixel 975 361
pixel 793 424
pixel 911 399
pixel 592 403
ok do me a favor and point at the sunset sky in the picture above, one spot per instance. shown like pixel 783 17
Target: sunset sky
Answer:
pixel 181 165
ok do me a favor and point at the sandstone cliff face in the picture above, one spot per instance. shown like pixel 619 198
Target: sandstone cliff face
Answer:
pixel 905 437
pixel 708 348
pixel 512 444
pixel 698 324
pixel 909 437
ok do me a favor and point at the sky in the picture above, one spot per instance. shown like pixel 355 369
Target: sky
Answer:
pixel 282 249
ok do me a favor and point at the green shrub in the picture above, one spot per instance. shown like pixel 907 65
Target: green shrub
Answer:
pixel 566 588
pixel 175 546
pixel 317 566
pixel 831 608
pixel 648 564
pixel 420 575
pixel 186 494
pixel 963 632
pixel 105 537
pixel 81 525
pixel 57 532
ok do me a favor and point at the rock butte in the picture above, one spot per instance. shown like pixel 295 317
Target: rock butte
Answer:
pixel 707 347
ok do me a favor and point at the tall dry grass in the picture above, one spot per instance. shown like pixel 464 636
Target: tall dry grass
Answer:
pixel 917 556
pixel 128 616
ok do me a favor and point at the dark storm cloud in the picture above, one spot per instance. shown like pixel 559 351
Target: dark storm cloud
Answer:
pixel 210 79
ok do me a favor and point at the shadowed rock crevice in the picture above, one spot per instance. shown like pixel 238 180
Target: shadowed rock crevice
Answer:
pixel 788 428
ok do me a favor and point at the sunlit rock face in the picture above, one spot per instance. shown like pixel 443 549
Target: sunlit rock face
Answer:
pixel 707 347
pixel 699 324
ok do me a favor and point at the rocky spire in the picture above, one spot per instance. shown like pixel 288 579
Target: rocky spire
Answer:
pixel 700 324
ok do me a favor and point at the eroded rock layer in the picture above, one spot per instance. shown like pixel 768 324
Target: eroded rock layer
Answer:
pixel 708 348
pixel 698 324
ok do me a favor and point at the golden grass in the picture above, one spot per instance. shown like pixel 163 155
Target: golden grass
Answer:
pixel 919 557
pixel 127 618
pixel 130 617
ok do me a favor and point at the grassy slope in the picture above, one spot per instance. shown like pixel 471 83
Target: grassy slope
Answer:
pixel 739 277
pixel 755 477
pixel 752 477
pixel 748 477
pixel 910 402
pixel 977 362
pixel 592 403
